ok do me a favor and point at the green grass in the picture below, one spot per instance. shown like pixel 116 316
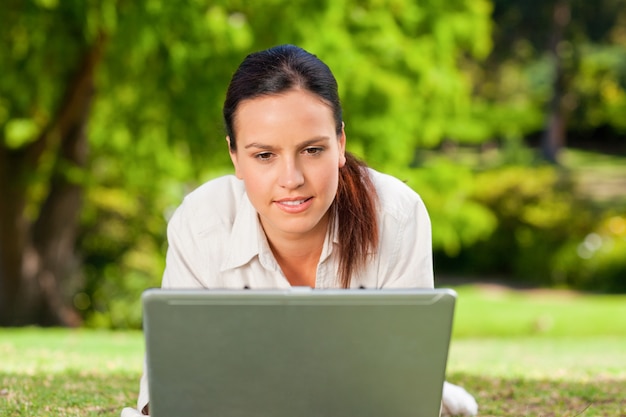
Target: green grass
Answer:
pixel 521 353
pixel 41 351
pixel 540 352
pixel 498 396
pixel 62 372
pixel 495 311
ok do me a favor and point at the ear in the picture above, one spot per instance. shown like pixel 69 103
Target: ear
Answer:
pixel 233 158
pixel 342 146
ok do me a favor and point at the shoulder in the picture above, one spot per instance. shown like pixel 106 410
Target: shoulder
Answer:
pixel 395 197
pixel 213 203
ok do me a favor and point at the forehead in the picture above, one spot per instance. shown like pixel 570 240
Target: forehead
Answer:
pixel 289 112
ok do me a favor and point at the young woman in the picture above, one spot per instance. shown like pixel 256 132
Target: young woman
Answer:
pixel 300 210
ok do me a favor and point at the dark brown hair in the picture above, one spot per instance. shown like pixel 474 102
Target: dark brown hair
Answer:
pixel 287 67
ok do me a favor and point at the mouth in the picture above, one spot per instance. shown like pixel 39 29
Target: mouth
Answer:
pixel 294 205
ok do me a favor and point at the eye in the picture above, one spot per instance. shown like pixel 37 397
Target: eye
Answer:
pixel 263 156
pixel 313 150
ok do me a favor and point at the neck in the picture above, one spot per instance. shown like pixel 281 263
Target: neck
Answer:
pixel 298 256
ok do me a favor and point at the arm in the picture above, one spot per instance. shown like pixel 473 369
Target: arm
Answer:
pixel 406 247
pixel 183 258
pixel 180 272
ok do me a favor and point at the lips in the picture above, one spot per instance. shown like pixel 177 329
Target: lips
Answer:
pixel 293 202
pixel 294 205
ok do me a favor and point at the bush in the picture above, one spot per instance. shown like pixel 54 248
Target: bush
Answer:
pixel 537 214
pixel 595 262
pixel 446 188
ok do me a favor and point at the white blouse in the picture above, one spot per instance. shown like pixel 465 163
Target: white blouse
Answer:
pixel 216 241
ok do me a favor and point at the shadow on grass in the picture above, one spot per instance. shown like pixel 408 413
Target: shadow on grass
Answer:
pixel 545 398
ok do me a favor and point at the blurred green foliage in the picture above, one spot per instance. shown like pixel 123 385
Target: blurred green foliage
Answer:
pixel 413 76
pixel 596 261
pixel 535 211
pixel 457 220
pixel 516 81
pixel 545 234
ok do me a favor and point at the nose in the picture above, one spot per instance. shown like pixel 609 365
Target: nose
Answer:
pixel 291 175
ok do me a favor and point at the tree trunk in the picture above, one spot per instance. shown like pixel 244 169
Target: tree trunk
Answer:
pixel 37 258
pixel 554 136
pixel 13 231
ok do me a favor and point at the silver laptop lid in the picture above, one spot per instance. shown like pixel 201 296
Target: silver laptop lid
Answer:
pixel 297 353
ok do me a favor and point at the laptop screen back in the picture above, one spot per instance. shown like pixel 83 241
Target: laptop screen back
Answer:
pixel 254 353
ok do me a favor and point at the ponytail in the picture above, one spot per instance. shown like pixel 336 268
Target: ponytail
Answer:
pixel 357 222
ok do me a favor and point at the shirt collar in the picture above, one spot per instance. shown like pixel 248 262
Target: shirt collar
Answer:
pixel 247 239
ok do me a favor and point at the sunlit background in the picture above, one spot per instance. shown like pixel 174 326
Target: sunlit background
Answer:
pixel 507 116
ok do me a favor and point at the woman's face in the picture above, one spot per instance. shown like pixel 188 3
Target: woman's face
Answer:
pixel 288 155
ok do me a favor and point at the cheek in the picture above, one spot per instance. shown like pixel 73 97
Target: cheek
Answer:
pixel 253 183
pixel 327 179
pixel 257 186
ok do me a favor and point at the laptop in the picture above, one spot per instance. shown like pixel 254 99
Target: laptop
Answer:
pixel 297 353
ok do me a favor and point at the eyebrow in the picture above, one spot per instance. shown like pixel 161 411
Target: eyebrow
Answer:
pixel 304 144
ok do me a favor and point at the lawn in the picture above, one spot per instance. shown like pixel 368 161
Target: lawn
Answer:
pixel 522 353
